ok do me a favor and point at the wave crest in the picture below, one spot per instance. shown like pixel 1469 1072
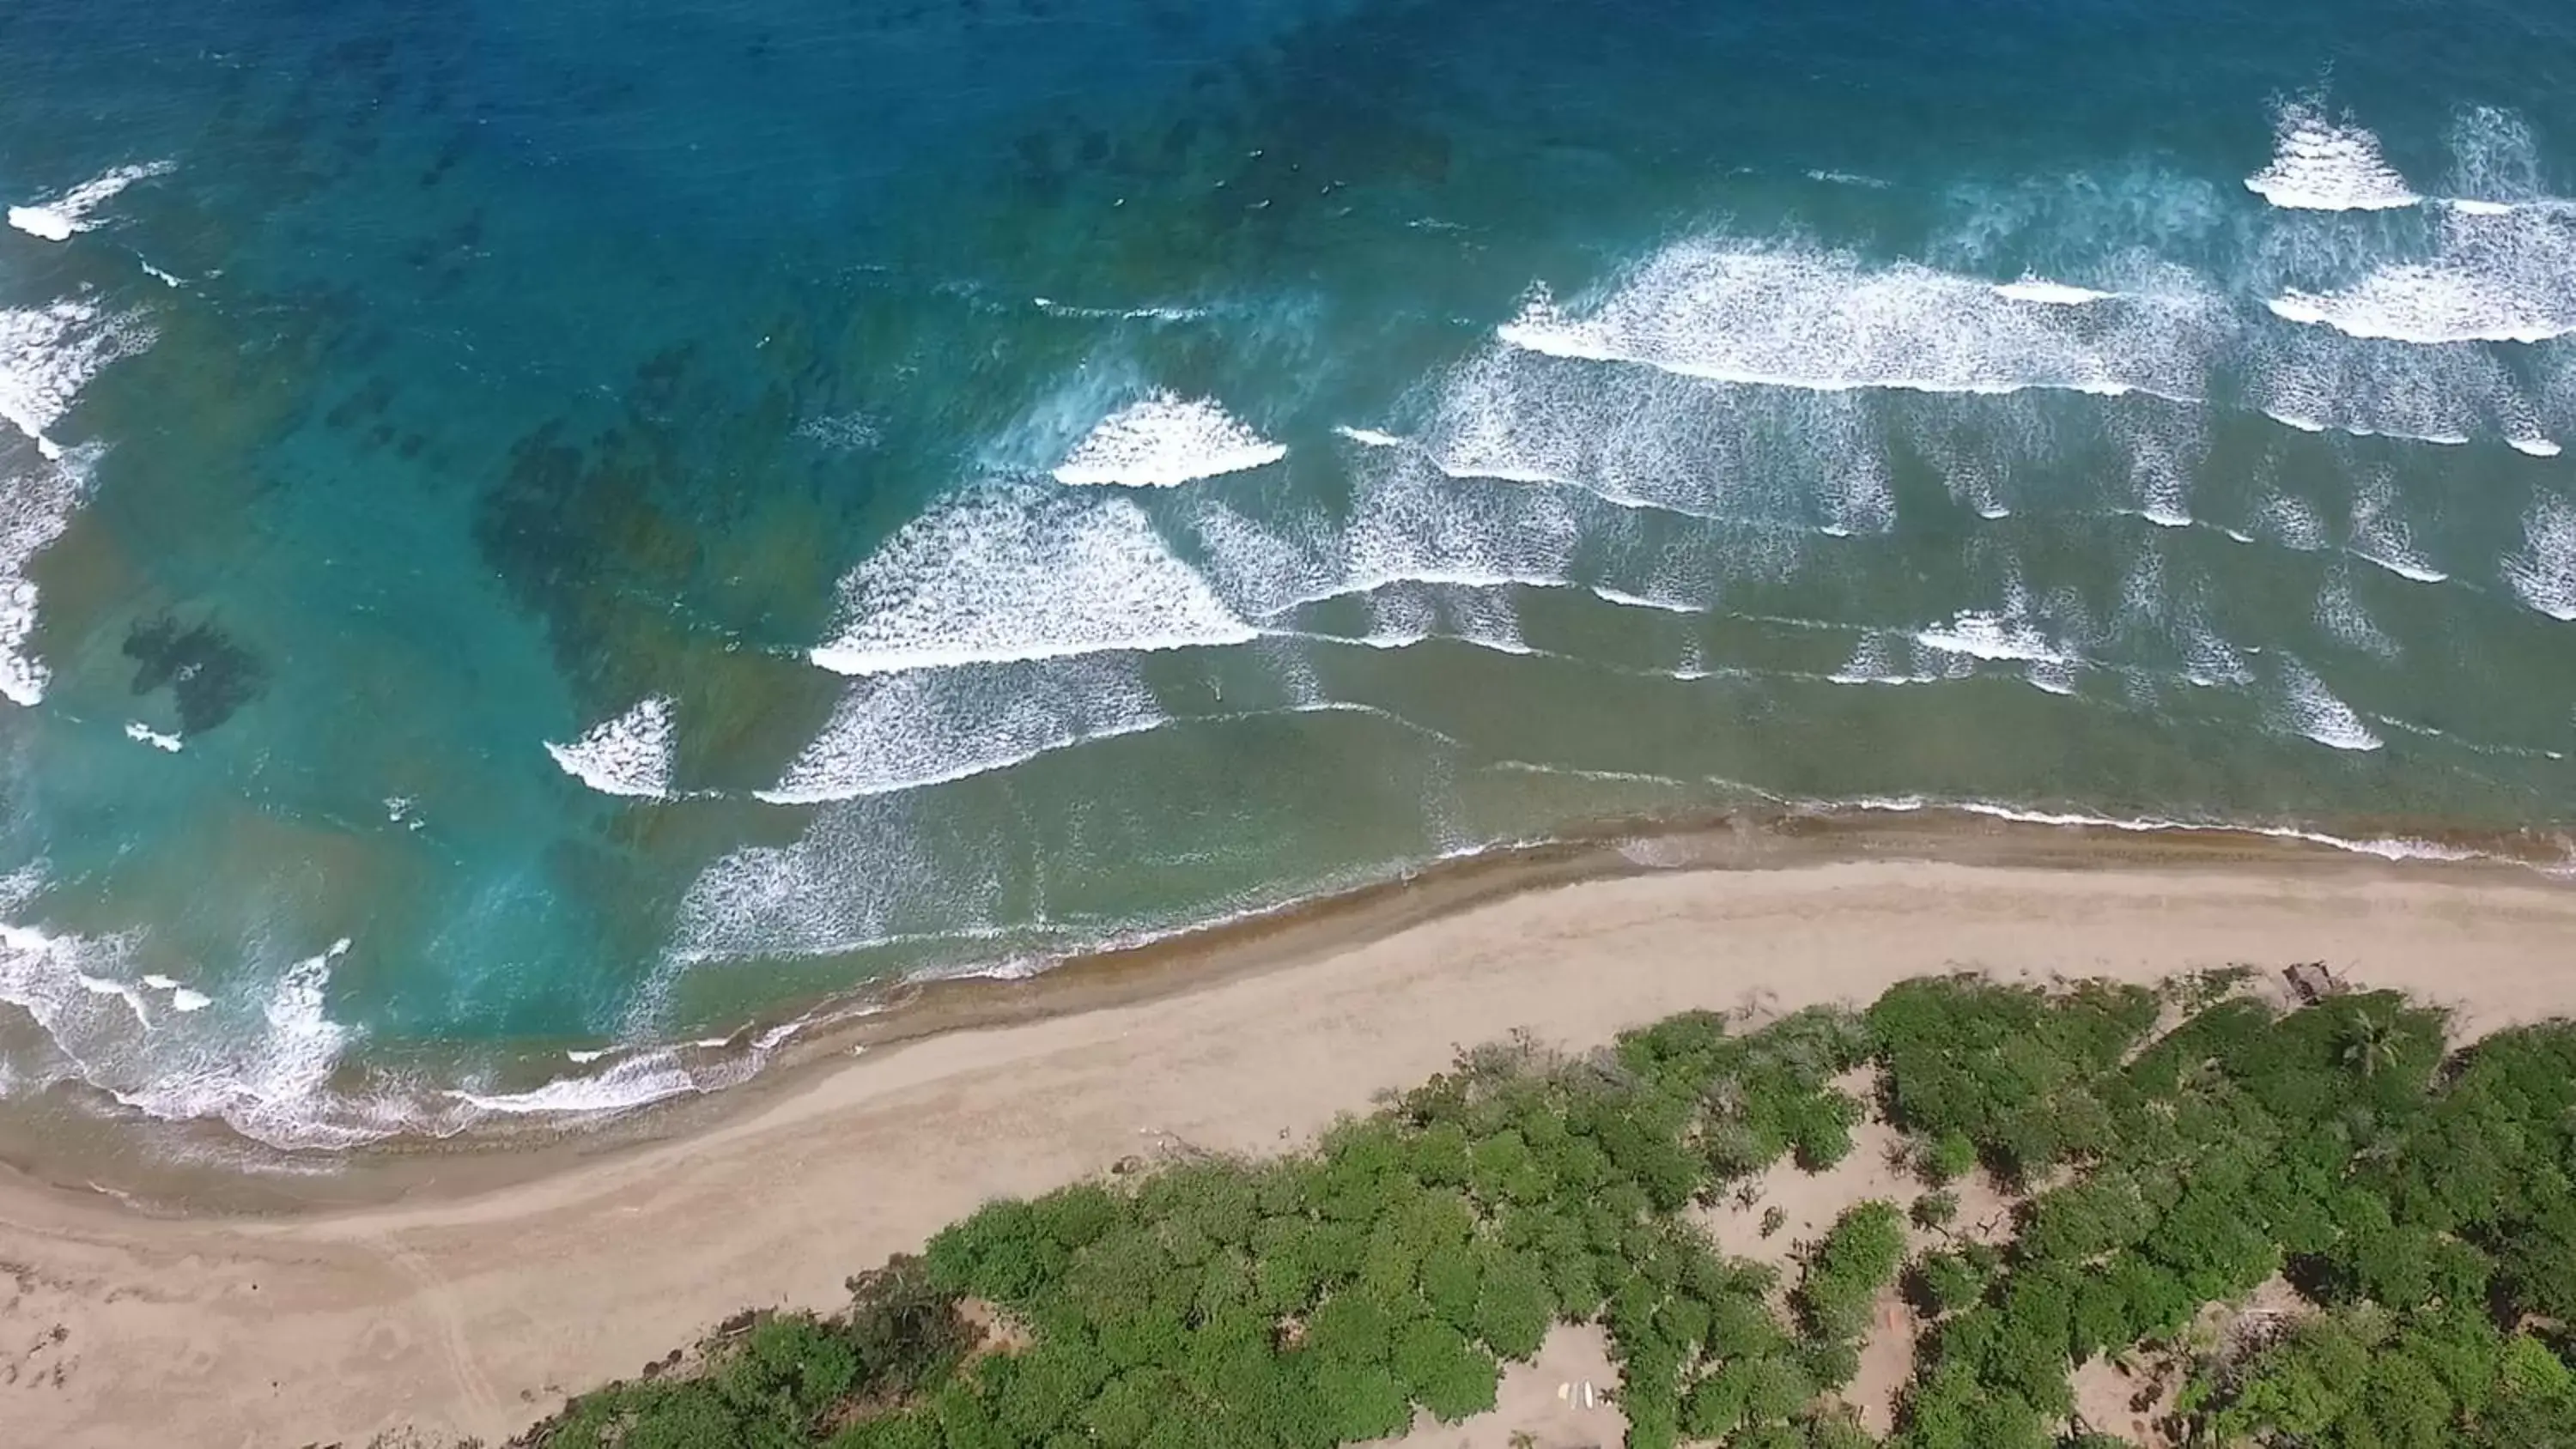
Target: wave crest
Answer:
pixel 997 577
pixel 1163 441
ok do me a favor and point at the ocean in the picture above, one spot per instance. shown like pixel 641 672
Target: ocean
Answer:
pixel 541 546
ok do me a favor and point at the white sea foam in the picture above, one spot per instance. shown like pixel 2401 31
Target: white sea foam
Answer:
pixel 1662 440
pixel 279 1091
pixel 2314 711
pixel 1991 637
pixel 1163 441
pixel 268 1066
pixel 2495 161
pixel 60 219
pixel 2145 599
pixel 2013 632
pixel 183 999
pixel 885 871
pixel 44 974
pixel 143 734
pixel 868 871
pixel 2404 565
pixel 2209 660
pixel 2383 847
pixel 1978 453
pixel 1408 524
pixel 49 353
pixel 1874 661
pixel 633 1082
pixel 1405 614
pixel 2491 276
pixel 927 726
pixel 2291 521
pixel 122 991
pixel 1263 569
pixel 995 577
pixel 1797 316
pixel 772 1038
pixel 849 432
pixel 1130 314
pixel 42 222
pixel 632 754
pixel 2319 380
pixel 2380 536
pixel 2320 163
pixel 2050 294
pixel 1409 527
pixel 2340 614
pixel 1627 600
pixel 2045 637
pixel 2543 573
pixel 2163 449
pixel 37 496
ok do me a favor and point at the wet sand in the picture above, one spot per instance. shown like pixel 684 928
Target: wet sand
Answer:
pixel 474 1304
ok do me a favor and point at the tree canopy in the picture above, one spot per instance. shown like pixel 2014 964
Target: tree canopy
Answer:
pixel 2163 1150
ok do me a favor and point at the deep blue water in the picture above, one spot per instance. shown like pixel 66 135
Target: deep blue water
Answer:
pixel 633 516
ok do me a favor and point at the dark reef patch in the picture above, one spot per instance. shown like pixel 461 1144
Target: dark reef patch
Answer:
pixel 209 675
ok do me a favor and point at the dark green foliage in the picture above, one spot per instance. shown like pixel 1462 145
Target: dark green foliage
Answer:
pixel 1514 1306
pixel 1445 1372
pixel 2239 1143
pixel 777 1380
pixel 2358 1378
pixel 1947 1157
pixel 1846 1269
pixel 1944 1283
pixel 2008 1069
pixel 1327 1297
pixel 1768 1094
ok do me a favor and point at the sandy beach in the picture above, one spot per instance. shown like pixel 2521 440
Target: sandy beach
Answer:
pixel 474 1315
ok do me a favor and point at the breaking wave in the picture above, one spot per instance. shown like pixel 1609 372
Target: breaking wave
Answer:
pixel 2543 572
pixel 1164 441
pixel 66 215
pixel 2505 275
pixel 2320 163
pixel 632 754
pixel 1016 575
pixel 1797 316
pixel 929 726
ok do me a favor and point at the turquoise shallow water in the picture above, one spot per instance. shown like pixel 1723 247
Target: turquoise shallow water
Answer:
pixel 537 534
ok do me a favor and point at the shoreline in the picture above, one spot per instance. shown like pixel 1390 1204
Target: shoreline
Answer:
pixel 459 1311
pixel 201 1167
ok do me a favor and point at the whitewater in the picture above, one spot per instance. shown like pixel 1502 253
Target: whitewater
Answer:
pixel 529 583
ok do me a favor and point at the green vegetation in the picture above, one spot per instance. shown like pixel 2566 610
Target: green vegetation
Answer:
pixel 2412 1210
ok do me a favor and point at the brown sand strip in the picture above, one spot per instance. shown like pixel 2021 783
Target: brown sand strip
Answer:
pixel 475 1313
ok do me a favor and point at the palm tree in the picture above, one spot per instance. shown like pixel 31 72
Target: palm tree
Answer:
pixel 2370 1043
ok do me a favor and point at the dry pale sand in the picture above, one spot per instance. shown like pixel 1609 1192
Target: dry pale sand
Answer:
pixel 1539 1405
pixel 475 1315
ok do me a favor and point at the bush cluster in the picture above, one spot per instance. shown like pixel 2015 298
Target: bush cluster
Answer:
pixel 2422 1202
pixel 2336 1146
